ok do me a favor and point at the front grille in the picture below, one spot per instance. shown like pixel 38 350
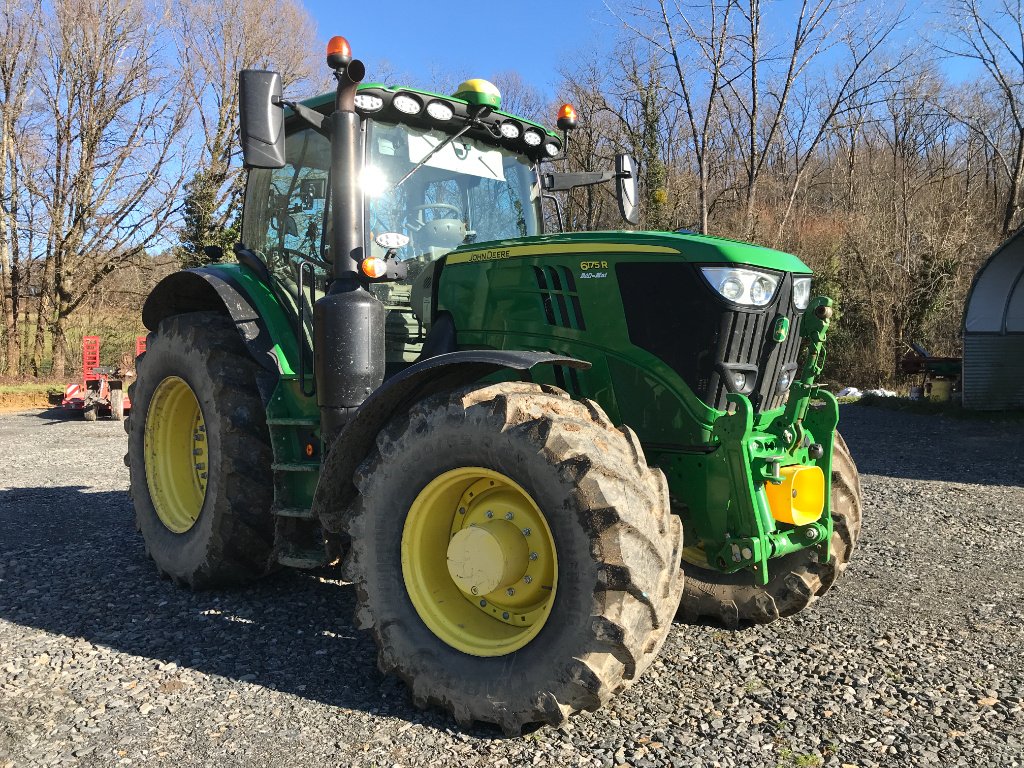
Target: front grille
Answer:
pixel 675 315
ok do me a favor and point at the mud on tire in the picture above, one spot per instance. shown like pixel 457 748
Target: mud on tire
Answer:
pixel 796 580
pixel 231 541
pixel 618 549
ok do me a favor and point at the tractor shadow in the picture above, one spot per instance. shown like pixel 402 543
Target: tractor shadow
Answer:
pixel 931 447
pixel 72 564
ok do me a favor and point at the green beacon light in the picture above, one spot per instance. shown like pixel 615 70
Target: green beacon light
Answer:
pixel 480 93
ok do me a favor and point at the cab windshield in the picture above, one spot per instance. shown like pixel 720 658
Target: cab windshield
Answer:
pixel 467 192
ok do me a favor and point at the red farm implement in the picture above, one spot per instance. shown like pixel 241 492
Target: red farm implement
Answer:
pixel 102 390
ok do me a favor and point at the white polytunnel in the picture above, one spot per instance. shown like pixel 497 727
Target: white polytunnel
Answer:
pixel 993 368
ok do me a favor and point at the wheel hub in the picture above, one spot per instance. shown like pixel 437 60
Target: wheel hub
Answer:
pixel 483 558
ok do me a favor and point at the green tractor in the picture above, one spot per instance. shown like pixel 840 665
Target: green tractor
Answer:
pixel 530 451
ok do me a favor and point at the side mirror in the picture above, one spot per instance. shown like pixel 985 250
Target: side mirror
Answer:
pixel 261 119
pixel 627 187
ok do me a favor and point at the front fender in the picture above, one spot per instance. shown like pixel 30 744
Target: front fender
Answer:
pixel 335 490
pixel 239 292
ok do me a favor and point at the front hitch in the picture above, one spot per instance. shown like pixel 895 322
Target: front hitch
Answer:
pixel 759 479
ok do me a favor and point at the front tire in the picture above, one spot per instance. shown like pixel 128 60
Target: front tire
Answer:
pixel 795 581
pixel 199 454
pixel 530 453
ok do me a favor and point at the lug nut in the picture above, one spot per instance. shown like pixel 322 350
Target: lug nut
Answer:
pixel 504 615
pixel 483 603
pixel 534 555
pixel 462 510
pixel 527 531
pixel 508 515
pixel 527 579
pixel 489 513
pixel 510 591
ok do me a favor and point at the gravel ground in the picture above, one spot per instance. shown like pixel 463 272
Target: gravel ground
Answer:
pixel 915 658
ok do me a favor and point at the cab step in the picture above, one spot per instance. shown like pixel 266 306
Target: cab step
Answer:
pixel 310 467
pixel 299 513
pixel 293 422
pixel 303 558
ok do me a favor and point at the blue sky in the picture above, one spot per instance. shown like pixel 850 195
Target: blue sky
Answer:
pixel 469 39
pixel 532 37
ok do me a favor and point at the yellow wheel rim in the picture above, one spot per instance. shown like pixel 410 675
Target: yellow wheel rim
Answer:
pixel 176 454
pixel 479 561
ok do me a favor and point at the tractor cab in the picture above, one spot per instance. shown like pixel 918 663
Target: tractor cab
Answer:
pixel 434 173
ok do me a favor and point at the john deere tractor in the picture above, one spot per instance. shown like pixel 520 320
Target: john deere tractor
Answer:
pixel 531 451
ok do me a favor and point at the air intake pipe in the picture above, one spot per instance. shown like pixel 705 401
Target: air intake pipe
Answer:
pixel 348 321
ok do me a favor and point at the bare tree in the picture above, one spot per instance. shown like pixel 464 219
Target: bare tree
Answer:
pixel 762 91
pixel 519 97
pixel 992 34
pixel 19 40
pixel 214 40
pixel 113 121
pixel 829 98
pixel 696 42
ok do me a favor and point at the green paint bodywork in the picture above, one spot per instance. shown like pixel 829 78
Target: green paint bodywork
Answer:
pixel 271 311
pixel 717 462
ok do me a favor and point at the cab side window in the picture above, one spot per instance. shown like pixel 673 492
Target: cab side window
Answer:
pixel 284 208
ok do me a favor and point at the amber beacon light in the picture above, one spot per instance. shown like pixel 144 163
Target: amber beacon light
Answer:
pixel 339 53
pixel 567 117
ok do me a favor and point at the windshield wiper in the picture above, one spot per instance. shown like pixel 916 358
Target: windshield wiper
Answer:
pixel 472 121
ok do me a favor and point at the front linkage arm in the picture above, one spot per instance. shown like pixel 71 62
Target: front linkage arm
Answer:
pixel 747 459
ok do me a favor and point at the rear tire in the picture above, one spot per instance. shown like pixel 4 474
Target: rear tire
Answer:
pixel 796 580
pixel 606 515
pixel 222 534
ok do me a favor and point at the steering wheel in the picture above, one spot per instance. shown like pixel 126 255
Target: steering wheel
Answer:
pixel 414 220
pixel 282 256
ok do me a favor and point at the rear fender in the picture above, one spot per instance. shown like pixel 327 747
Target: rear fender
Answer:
pixel 335 490
pixel 241 293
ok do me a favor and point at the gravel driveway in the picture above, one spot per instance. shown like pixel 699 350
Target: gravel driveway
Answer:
pixel 915 658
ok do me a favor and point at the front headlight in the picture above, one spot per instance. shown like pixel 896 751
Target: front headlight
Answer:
pixel 801 292
pixel 743 286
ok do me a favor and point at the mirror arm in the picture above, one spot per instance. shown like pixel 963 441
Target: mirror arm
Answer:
pixel 560 182
pixel 311 116
pixel 558 210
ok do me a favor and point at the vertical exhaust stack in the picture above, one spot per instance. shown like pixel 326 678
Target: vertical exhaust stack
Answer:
pixel 348 322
